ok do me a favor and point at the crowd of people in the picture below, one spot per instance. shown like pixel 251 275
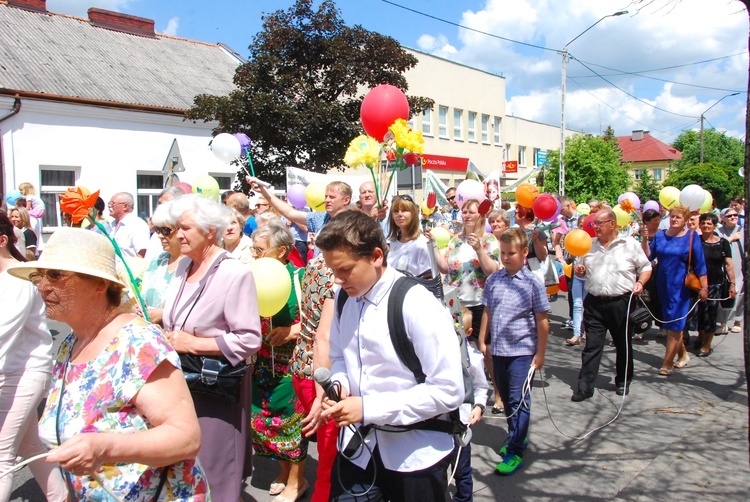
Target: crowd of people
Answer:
pixel 169 399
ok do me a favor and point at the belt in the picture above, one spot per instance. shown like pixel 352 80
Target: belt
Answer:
pixel 611 298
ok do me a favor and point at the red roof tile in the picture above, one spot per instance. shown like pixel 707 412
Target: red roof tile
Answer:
pixel 648 149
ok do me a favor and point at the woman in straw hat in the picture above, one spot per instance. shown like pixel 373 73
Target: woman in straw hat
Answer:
pixel 211 310
pixel 26 362
pixel 119 415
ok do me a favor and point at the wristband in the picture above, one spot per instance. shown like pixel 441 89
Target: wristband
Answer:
pixel 703 289
pixel 480 406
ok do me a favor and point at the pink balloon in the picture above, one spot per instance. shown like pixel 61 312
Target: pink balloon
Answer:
pixel 652 204
pixel 380 109
pixel 295 194
pixel 469 189
pixel 185 186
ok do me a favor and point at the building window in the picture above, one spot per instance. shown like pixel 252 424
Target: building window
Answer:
pixel 638 173
pixel 458 124
pixel 657 174
pixel 506 153
pixel 534 161
pixel 496 132
pixel 148 186
pixel 472 126
pixel 443 122
pixel 427 122
pixel 521 155
pixel 486 129
pixel 224 181
pixel 54 182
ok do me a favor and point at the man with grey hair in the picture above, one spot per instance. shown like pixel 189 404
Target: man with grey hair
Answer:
pixel 130 232
pixel 155 248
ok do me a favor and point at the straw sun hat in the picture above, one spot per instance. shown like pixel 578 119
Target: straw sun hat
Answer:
pixel 73 250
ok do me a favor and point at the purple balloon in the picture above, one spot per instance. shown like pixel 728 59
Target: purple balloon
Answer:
pixel 633 198
pixel 652 204
pixel 556 213
pixel 487 227
pixel 295 194
pixel 244 140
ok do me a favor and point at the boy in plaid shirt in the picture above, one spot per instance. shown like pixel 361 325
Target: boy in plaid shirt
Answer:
pixel 515 313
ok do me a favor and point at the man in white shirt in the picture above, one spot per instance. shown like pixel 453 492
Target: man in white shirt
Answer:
pixel 130 232
pixel 615 267
pixel 377 388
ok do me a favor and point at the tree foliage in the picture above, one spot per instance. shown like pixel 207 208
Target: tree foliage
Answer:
pixel 647 188
pixel 593 169
pixel 299 93
pixel 711 177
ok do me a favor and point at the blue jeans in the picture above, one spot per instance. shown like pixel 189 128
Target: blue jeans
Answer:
pixel 510 374
pixel 463 476
pixel 579 293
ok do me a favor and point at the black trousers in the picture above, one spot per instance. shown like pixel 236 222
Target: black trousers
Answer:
pixel 427 485
pixel 599 316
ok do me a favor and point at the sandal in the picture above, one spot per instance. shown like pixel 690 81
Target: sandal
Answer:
pixel 638 337
pixel 573 341
pixel 276 488
pixel 705 354
pixel 736 329
pixel 682 362
pixel 723 330
pixel 665 372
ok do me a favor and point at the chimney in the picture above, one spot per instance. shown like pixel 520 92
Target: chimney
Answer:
pixel 638 135
pixel 31 5
pixel 124 23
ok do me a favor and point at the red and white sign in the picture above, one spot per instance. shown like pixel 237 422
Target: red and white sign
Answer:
pixel 444 163
pixel 510 166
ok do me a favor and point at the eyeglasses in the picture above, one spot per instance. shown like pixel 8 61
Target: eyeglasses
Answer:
pixel 52 276
pixel 164 231
pixel 110 204
pixel 260 251
pixel 598 223
pixel 731 215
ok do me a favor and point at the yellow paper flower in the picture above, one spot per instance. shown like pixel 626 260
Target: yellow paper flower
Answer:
pixel 362 150
pixel 406 137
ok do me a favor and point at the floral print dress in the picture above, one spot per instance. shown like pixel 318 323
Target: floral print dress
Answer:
pixel 98 397
pixel 464 271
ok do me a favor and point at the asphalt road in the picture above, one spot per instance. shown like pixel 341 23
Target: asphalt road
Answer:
pixel 676 438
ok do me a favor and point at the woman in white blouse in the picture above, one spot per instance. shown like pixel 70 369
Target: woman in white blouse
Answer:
pixel 408 249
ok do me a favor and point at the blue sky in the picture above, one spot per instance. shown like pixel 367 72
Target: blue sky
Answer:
pixel 688 53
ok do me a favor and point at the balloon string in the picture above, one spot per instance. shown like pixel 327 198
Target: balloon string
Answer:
pixel 250 161
pixel 375 182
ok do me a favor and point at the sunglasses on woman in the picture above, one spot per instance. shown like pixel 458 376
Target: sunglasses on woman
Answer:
pixel 164 231
pixel 52 276
pixel 407 198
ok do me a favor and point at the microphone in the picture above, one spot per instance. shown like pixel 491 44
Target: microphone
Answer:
pixel 332 389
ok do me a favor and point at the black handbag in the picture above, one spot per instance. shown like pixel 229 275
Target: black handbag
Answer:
pixel 726 302
pixel 213 375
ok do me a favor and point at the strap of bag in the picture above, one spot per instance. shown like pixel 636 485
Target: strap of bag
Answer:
pixel 397 328
pixel 162 482
pixel 690 251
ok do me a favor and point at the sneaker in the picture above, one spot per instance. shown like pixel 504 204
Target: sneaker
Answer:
pixel 568 324
pixel 504 450
pixel 509 465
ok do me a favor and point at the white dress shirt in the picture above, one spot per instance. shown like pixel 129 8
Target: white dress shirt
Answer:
pixel 365 362
pixel 412 256
pixel 613 271
pixel 131 234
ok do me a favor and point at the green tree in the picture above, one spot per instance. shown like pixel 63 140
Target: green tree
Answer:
pixel 609 135
pixel 718 149
pixel 709 176
pixel 647 188
pixel 298 96
pixel 593 169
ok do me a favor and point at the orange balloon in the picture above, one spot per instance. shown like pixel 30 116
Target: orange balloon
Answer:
pixel 577 242
pixel 568 270
pixel 552 290
pixel 526 193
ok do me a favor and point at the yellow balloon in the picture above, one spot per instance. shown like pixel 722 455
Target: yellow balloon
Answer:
pixel 584 208
pixel 206 186
pixel 272 284
pixel 669 196
pixel 315 195
pixel 708 202
pixel 623 217
pixel 441 236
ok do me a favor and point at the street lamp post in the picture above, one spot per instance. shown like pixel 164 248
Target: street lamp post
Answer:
pixel 564 81
pixel 702 114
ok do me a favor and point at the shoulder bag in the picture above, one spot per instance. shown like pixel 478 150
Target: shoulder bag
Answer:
pixel 691 280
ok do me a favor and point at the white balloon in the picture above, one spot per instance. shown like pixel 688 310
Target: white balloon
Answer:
pixel 226 147
pixel 692 196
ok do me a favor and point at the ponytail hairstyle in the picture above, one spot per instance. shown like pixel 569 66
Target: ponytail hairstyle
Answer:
pixel 8 229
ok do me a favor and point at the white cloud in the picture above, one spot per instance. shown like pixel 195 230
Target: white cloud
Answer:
pixel 662 34
pixel 436 45
pixel 80 7
pixel 172 26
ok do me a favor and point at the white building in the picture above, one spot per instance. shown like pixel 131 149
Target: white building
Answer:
pixel 100 101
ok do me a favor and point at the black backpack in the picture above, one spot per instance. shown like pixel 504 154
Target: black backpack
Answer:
pixel 405 351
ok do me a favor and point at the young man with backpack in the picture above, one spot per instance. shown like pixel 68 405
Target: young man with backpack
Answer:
pixel 396 437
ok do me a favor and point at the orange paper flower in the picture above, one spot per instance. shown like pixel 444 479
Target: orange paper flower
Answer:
pixel 627 206
pixel 77 202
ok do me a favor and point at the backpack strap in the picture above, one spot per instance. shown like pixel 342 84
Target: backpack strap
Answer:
pixel 397 328
pixel 341 301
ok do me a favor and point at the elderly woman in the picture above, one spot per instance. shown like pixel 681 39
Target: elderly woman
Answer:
pixel 159 273
pixel 211 318
pixel 470 257
pixel 277 414
pixel 239 245
pixel 499 220
pixel 408 249
pixel 119 415
pixel 25 372
pixel 671 248
pixel 19 216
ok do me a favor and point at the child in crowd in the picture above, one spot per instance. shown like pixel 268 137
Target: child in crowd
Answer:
pixel 471 413
pixel 515 313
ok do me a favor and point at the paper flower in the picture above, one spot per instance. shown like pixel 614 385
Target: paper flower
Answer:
pixel 627 206
pixel 77 202
pixel 406 137
pixel 362 150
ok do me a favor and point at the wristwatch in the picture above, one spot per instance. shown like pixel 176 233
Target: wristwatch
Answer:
pixel 480 406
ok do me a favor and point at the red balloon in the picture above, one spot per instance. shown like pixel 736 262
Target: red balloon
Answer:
pixel 185 186
pixel 545 206
pixel 380 109
pixel 588 225
pixel 563 284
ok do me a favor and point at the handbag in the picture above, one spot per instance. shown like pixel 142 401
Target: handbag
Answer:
pixel 691 280
pixel 545 270
pixel 211 375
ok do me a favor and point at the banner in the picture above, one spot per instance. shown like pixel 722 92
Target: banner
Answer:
pixel 433 184
pixel 297 176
